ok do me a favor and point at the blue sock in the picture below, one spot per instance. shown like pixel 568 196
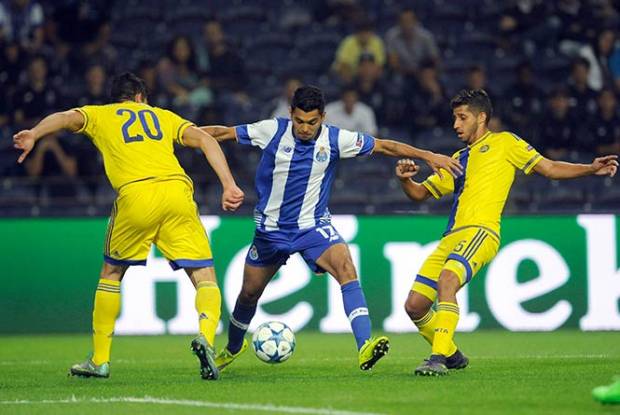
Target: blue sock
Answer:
pixel 238 325
pixel 357 311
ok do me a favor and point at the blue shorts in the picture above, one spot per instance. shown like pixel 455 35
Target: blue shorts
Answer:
pixel 275 248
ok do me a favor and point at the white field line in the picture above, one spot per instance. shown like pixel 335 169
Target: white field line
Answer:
pixel 339 359
pixel 199 404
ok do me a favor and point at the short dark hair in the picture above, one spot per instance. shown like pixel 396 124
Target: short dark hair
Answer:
pixel 476 99
pixel 308 98
pixel 126 86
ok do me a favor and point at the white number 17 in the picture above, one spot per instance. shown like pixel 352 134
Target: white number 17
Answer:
pixel 328 232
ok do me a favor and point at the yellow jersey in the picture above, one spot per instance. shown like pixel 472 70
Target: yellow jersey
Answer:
pixel 135 140
pixel 480 193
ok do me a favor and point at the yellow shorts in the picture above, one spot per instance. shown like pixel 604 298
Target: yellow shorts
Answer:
pixel 463 252
pixel 159 212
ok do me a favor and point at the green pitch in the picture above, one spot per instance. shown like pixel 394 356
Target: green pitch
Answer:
pixel 510 373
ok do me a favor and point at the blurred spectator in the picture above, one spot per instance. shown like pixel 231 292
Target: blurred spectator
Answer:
pixel 370 87
pixel 51 159
pixel 600 55
pixel 283 104
pixel 363 41
pixel 523 102
pixel 94 93
pixel 573 19
pixel 558 129
pixel 409 44
pixel 178 71
pixel 97 51
pixel 225 68
pixel 227 76
pixel 20 21
pixel 4 113
pixel 582 97
pixel 605 124
pixel 337 12
pixel 496 124
pixel 36 98
pixel 12 62
pixel 427 101
pixel 149 73
pixel 519 20
pixel 350 114
pixel 476 78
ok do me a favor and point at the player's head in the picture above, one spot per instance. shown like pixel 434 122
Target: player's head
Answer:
pixel 472 111
pixel 128 87
pixel 307 111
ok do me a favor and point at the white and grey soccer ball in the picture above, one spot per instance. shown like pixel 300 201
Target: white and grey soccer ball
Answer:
pixel 273 342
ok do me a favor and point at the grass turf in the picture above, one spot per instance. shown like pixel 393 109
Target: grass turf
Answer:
pixel 509 373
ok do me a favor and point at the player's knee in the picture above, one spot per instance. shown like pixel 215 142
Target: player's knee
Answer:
pixel 249 296
pixel 112 272
pixel 346 271
pixel 415 310
pixel 448 283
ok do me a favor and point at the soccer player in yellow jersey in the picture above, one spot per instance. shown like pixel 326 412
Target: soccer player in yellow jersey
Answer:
pixel 472 236
pixel 154 205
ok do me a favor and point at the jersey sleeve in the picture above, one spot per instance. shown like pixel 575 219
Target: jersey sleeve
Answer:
pixel 351 144
pixel 178 126
pixel 258 134
pixel 521 154
pixel 90 114
pixel 439 186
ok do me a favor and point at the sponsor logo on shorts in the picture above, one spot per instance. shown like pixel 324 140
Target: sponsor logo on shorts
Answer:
pixel 253 253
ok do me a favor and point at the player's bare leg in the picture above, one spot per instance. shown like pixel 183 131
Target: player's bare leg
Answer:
pixel 255 279
pixel 337 261
pixel 106 310
pixel 208 306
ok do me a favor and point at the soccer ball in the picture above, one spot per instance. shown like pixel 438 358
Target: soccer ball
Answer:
pixel 273 342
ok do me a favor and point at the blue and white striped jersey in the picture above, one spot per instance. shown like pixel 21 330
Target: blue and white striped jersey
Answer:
pixel 294 177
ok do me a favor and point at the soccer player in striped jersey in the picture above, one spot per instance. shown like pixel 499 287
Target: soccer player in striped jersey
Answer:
pixel 155 204
pixel 293 182
pixel 471 239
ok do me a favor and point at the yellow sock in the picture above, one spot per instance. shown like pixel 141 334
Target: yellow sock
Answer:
pixel 105 312
pixel 446 321
pixel 208 305
pixel 426 326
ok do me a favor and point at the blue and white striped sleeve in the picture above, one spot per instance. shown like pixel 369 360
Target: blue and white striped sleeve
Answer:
pixel 351 144
pixel 258 134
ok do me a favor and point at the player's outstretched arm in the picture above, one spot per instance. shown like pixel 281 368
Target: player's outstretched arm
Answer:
pixel 405 170
pixel 601 166
pixel 435 161
pixel 220 132
pixel 67 120
pixel 232 196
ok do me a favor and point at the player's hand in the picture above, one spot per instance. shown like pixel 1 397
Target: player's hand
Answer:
pixel 605 166
pixel 406 169
pixel 439 161
pixel 232 198
pixel 24 140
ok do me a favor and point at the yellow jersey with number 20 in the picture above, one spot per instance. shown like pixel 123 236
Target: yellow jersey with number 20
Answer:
pixel 135 140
